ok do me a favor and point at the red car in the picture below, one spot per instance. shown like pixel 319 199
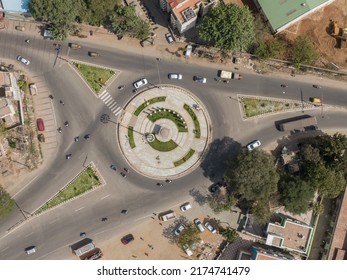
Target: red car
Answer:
pixel 40 125
pixel 127 239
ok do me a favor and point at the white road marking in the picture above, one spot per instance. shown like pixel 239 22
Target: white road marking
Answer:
pixel 79 209
pixel 105 96
pixel 104 197
pixel 103 93
pixel 108 98
pixel 28 234
pixel 119 110
pixel 25 186
pixel 114 106
pixel 109 102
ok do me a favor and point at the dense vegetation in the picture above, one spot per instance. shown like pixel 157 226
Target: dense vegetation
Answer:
pixel 256 180
pixel 62 15
pixel 228 27
pixel 6 203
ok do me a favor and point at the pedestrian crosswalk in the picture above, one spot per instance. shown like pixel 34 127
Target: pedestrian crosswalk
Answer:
pixel 110 103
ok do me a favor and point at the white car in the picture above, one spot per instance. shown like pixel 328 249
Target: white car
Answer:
pixel 179 229
pixel 169 38
pixel 210 227
pixel 140 83
pixel 174 76
pixel 200 79
pixel 199 225
pixel 185 207
pixel 23 60
pixel 255 144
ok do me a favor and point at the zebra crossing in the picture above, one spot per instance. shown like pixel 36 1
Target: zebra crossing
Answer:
pixel 110 103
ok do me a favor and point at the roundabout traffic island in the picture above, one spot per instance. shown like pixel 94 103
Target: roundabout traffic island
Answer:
pixel 163 132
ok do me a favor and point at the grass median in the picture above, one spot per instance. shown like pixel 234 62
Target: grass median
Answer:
pixel 147 103
pixel 180 123
pixel 163 146
pixel 83 183
pixel 195 120
pixel 185 158
pixel 96 77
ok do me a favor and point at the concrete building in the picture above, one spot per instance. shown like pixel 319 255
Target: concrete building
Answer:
pixel 280 14
pixel 290 235
pixel 16 9
pixel 338 245
pixel 184 13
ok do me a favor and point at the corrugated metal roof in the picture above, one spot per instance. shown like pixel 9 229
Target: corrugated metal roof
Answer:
pixel 282 12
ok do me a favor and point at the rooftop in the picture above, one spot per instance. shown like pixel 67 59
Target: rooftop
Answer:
pixel 184 9
pixel 287 10
pixel 291 235
pixel 338 246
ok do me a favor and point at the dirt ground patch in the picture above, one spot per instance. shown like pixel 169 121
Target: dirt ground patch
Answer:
pixel 316 26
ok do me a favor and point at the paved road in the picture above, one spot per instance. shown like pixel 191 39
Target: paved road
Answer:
pixel 54 231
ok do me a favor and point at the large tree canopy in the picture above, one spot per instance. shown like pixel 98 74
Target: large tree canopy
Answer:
pixel 228 27
pixel 253 175
pixel 124 21
pixel 97 11
pixel 296 194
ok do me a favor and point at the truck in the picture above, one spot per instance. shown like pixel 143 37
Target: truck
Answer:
pixel 229 75
pixel 167 216
pixel 85 249
pixel 298 123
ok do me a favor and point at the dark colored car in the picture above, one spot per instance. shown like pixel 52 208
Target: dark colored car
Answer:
pixel 41 137
pixel 200 79
pixel 127 239
pixel 215 187
pixel 113 167
pixel 40 125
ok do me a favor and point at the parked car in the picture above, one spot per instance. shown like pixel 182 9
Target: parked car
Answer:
pixel 169 38
pixel 40 124
pixel 41 137
pixel 200 79
pixel 33 89
pixel 199 225
pixel 20 28
pixel 140 83
pixel 186 207
pixel 215 187
pixel 113 167
pixel 30 250
pixel 23 60
pixel 210 227
pixel 187 250
pixel 127 239
pixel 174 76
pixel 179 229
pixel 188 50
pixel 255 144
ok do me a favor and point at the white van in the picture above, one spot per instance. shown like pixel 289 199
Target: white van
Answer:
pixel 185 207
pixel 189 50
pixel 167 216
pixel 30 250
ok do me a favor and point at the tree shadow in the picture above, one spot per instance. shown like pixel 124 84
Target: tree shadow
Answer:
pixel 198 196
pixel 169 231
pixel 216 161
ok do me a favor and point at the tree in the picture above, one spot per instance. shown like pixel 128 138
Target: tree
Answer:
pixel 189 236
pixel 97 11
pixel 125 21
pixel 219 202
pixel 230 234
pixel 296 194
pixel 318 208
pixel 261 212
pixel 270 48
pixel 6 203
pixel 253 175
pixel 60 14
pixel 303 51
pixel 329 183
pixel 310 154
pixel 228 27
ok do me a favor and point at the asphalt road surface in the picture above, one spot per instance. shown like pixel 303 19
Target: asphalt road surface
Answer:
pixel 55 230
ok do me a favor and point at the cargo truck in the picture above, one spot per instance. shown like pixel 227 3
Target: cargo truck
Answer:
pixel 229 75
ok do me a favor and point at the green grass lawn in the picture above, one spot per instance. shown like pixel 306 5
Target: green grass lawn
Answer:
pixel 195 120
pixel 163 146
pixel 185 158
pixel 147 103
pixel 169 115
pixel 131 137
pixel 85 182
pixel 96 77
pixel 254 107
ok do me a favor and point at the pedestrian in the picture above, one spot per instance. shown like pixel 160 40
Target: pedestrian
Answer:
pixel 62 103
pixel 146 254
pixel 141 238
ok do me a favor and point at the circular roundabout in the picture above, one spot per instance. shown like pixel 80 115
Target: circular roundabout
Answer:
pixel 163 132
